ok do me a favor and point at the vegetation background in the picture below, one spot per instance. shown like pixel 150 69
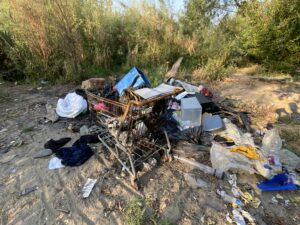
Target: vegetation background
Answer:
pixel 64 41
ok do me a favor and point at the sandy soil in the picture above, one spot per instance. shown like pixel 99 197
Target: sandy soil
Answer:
pixel 58 197
pixel 270 100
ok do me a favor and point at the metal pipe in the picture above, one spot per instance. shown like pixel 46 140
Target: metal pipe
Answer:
pixel 113 152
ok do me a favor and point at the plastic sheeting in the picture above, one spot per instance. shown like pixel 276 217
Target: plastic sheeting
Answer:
pixel 271 143
pixel 187 87
pixel 289 159
pixel 71 106
pixel 222 159
pixel 233 132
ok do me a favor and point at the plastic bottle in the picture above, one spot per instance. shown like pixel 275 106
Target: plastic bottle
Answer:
pixel 202 167
pixel 238 218
pixel 229 199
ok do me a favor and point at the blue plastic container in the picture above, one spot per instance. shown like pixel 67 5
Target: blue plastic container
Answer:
pixel 134 78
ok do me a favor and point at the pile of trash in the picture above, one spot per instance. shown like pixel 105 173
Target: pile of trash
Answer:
pixel 191 115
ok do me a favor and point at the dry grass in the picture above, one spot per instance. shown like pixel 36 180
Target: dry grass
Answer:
pixel 251 70
pixel 258 70
pixel 290 132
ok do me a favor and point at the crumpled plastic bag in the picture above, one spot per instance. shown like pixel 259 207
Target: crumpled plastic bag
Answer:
pixel 188 87
pixel 234 133
pixel 71 106
pixel 271 143
pixel 223 159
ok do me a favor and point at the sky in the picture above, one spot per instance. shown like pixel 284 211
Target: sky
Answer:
pixel 176 5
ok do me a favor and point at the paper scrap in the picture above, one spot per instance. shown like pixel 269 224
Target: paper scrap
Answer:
pixel 88 187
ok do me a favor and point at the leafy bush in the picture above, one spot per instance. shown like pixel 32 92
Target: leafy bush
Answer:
pixel 66 40
pixel 213 70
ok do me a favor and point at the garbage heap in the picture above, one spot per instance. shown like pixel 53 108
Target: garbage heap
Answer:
pixel 191 116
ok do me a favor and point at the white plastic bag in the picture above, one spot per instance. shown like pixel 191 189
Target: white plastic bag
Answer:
pixel 233 132
pixel 71 106
pixel 271 143
pixel 222 159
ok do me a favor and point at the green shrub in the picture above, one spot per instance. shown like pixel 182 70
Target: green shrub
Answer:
pixel 65 40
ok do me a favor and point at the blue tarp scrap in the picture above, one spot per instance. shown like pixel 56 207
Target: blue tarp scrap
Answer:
pixel 134 78
pixel 279 182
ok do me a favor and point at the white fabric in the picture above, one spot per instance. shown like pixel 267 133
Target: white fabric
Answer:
pixel 71 106
pixel 55 163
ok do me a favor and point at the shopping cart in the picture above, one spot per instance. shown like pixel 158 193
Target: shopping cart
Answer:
pixel 129 130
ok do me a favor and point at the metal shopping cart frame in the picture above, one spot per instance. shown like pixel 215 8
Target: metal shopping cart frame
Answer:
pixel 135 149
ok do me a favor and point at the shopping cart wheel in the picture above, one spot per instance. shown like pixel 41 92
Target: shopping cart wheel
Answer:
pixel 134 183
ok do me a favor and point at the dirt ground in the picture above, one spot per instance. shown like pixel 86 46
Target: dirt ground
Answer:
pixel 58 200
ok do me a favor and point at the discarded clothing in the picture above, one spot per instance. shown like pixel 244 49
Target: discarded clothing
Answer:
pixel 75 155
pixel 71 106
pixel 81 92
pixel 90 138
pixel 247 151
pixel 109 92
pixel 100 106
pixel 55 163
pixel 55 145
pixel 279 182
pixel 203 99
pixel 134 78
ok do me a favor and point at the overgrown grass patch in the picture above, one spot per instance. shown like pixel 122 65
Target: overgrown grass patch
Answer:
pixel 140 212
pixel 28 129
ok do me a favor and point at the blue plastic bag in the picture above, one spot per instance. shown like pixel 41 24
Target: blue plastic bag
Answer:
pixel 134 78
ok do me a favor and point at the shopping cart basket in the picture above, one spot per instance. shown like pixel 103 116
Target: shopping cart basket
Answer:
pixel 124 133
